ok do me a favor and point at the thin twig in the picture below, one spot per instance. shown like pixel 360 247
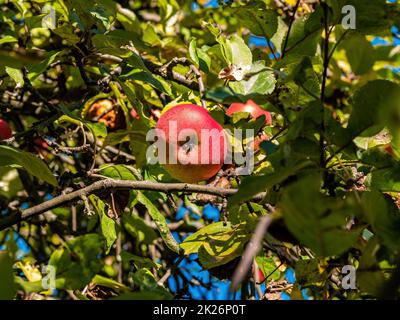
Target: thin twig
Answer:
pixel 323 88
pixel 118 244
pixel 290 28
pixel 169 271
pixel 251 251
pixel 167 70
pixel 202 89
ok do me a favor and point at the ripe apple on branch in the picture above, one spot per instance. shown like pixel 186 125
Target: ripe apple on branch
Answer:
pixel 199 157
pixel 188 121
pixel 5 130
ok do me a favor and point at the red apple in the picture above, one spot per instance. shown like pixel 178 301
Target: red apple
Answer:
pixel 200 151
pixel 134 114
pixel 5 130
pixel 107 112
pixel 41 143
pixel 251 107
pixel 41 147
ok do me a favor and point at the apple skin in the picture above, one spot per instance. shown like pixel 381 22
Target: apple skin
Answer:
pixel 41 143
pixel 134 114
pixel 107 113
pixel 41 147
pixel 251 107
pixel 190 116
pixel 5 130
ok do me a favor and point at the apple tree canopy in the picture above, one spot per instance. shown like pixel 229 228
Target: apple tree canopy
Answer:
pixel 84 215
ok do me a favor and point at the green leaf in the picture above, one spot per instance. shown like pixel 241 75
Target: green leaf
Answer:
pixel 268 267
pixel 118 137
pixel 86 247
pixel 37 69
pixel 8 39
pixel 255 184
pixel 215 230
pixel 376 105
pixel 236 52
pixel 378 158
pixel 371 281
pixel 16 75
pixel 259 21
pixel 99 129
pixel 109 283
pixel 78 263
pixel 7 287
pixel 360 53
pixel 193 52
pixel 309 273
pixel 102 15
pixel 372 16
pixel 385 224
pixel 10 182
pixel 386 180
pixel 12 157
pixel 155 81
pixel 258 80
pixel 118 172
pixel 304 35
pixel 66 32
pixel 220 248
pixel 316 220
pixel 138 228
pixel 139 262
pixel 146 282
pixel 108 226
pixel 60 259
pixel 268 146
pixel 160 222
pixel 150 35
pixel 112 42
pixel 279 36
pixel 305 77
pixel 217 244
pixel 138 144
pixel 204 60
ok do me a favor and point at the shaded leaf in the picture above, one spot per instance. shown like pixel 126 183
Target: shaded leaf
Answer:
pixel 12 157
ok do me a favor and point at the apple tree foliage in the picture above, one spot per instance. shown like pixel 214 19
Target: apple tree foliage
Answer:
pixel 329 173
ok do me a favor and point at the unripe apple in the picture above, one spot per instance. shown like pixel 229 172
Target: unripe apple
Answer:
pixel 251 107
pixel 106 112
pixel 41 147
pixel 5 130
pixel 194 140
